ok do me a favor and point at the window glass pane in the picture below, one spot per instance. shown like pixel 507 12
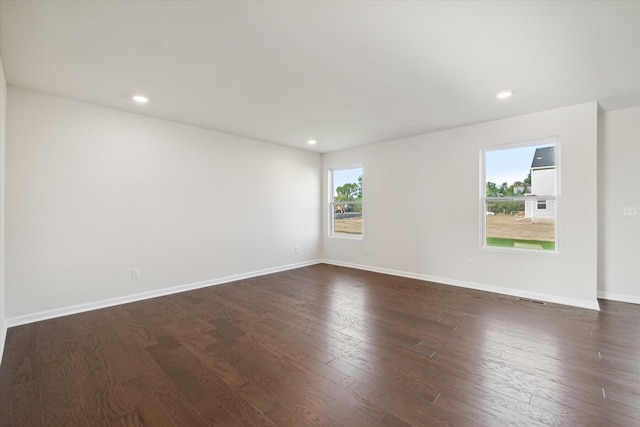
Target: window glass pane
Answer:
pixel 512 229
pixel 511 172
pixel 347 218
pixel 523 176
pixel 346 203
pixel 347 184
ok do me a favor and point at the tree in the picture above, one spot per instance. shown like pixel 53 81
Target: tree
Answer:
pixel 504 190
pixel 517 188
pixel 347 192
pixel 350 192
pixel 492 190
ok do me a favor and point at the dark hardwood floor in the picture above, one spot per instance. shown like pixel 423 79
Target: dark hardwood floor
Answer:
pixel 326 346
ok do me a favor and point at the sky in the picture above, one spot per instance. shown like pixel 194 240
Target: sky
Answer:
pixel 509 165
pixel 343 176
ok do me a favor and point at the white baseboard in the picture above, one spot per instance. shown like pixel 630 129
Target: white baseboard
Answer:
pixel 80 308
pixel 65 311
pixel 3 337
pixel 591 305
pixel 632 299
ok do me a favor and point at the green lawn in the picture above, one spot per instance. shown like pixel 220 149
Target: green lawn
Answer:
pixel 525 244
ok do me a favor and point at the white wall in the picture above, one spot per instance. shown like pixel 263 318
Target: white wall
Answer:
pixel 3 110
pixel 422 211
pixel 619 187
pixel 93 192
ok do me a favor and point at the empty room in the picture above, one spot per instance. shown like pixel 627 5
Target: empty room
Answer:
pixel 319 213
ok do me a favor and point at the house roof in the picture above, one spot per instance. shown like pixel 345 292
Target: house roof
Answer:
pixel 544 157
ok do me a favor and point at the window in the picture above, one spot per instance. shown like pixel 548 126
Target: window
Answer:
pixel 346 201
pixel 520 197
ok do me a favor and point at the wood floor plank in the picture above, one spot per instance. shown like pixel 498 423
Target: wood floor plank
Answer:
pixel 24 410
pixel 200 387
pixel 179 408
pixel 326 346
pixel 585 413
pixel 147 408
pixel 63 404
pixel 129 420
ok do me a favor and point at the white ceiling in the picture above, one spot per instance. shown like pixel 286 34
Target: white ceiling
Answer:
pixel 344 73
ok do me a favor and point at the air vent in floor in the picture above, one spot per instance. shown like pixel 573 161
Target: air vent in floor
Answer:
pixel 532 301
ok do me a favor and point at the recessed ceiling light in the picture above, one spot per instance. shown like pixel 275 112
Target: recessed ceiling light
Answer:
pixel 504 94
pixel 312 142
pixel 140 99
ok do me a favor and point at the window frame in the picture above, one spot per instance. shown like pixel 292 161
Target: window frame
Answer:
pixel 554 198
pixel 332 203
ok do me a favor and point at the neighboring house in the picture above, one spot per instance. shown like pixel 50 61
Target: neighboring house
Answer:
pixel 543 182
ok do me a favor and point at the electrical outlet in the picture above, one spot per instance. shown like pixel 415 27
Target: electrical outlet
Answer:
pixel 630 211
pixel 469 263
pixel 135 273
pixel 296 250
pixel 367 251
